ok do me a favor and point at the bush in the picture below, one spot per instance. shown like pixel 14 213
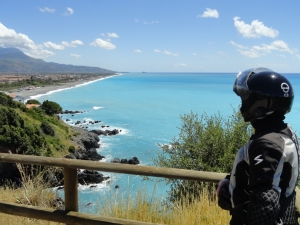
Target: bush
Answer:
pixel 51 108
pixel 33 101
pixel 17 136
pixel 72 149
pixel 204 144
pixel 47 129
pixel 6 100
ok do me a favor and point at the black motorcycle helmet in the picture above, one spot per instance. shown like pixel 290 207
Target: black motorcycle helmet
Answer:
pixel 263 92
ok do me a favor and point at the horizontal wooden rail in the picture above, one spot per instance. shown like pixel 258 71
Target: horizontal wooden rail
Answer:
pixel 62 216
pixel 114 167
pixel 70 214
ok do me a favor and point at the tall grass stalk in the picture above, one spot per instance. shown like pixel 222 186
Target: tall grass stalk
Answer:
pixel 34 192
pixel 188 211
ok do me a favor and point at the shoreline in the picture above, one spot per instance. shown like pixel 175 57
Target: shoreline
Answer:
pixel 47 90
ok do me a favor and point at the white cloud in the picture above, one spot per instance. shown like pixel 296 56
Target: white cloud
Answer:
pixel 10 38
pixel 258 51
pixel 166 52
pixel 75 56
pixel 170 53
pixel 112 35
pixel 237 45
pixel 152 22
pixel 63 44
pixel 54 46
pixel 194 54
pixel 210 13
pixel 77 42
pixel 72 43
pixel 46 9
pixel 69 12
pixel 137 50
pixel 254 30
pixel 103 44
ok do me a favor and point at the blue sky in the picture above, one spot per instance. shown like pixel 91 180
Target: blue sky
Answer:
pixel 156 35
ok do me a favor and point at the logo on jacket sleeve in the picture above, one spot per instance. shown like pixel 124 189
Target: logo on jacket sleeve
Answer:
pixel 258 160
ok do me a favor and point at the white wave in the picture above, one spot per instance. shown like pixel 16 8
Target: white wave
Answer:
pixel 107 158
pixel 98 107
pixel 122 131
pixel 94 187
pixel 78 85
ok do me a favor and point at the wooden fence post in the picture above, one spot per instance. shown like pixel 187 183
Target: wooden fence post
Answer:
pixel 71 190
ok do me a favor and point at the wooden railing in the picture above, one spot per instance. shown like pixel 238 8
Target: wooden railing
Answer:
pixel 71 215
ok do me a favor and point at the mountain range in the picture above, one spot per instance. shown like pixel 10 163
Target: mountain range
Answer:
pixel 13 60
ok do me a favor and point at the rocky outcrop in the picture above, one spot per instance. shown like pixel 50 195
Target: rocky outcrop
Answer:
pixel 85 139
pixel 71 112
pixel 106 132
pixel 83 154
pixel 134 161
pixel 87 177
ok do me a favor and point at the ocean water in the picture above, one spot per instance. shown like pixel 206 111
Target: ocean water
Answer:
pixel 147 108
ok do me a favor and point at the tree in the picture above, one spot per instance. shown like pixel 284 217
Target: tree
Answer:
pixel 33 101
pixel 204 144
pixel 51 108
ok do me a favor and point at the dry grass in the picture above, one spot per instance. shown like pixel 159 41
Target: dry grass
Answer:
pixel 141 207
pixel 33 192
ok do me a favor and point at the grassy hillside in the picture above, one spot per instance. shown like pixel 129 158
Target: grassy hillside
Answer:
pixel 32 131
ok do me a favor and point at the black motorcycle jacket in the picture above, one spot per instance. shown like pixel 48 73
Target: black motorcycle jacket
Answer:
pixel 264 177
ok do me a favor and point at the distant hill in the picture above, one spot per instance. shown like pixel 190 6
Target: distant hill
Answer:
pixel 12 60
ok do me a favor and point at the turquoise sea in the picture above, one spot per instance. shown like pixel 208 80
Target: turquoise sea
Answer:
pixel 147 108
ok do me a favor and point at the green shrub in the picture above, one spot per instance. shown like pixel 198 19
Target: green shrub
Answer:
pixel 33 101
pixel 47 129
pixel 71 149
pixel 204 144
pixel 17 136
pixel 51 108
pixel 10 117
pixel 6 100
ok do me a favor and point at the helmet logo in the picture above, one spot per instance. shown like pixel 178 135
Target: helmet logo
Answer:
pixel 285 88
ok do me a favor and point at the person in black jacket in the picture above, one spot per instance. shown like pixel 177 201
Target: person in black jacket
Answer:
pixel 261 187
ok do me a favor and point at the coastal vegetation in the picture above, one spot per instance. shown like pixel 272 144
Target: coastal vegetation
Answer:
pixel 205 143
pixel 36 131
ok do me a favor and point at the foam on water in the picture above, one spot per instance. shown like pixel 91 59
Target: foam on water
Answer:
pixel 98 107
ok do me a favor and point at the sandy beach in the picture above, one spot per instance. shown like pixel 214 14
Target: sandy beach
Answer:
pixel 27 94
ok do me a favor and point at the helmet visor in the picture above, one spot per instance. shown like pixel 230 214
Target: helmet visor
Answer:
pixel 240 86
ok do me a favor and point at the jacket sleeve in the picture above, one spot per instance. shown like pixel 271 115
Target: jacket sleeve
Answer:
pixel 264 177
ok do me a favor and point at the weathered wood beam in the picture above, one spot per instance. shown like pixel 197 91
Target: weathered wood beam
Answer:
pixel 61 216
pixel 114 167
